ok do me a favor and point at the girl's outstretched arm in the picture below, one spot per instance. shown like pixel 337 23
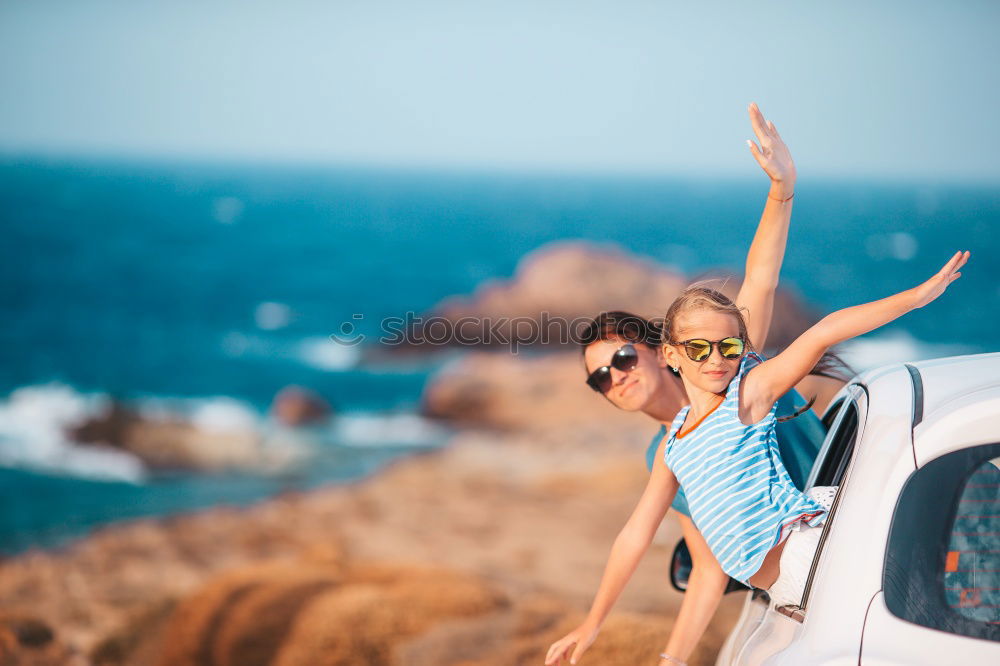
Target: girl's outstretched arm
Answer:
pixel 768 248
pixel 771 379
pixel 628 549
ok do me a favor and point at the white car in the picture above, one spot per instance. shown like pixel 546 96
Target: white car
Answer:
pixel 907 571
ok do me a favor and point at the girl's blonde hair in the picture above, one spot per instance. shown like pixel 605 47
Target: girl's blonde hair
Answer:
pixel 699 296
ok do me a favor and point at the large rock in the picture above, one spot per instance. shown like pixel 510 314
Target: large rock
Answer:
pixel 297 406
pixel 293 615
pixel 505 391
pixel 572 279
pixel 28 641
pixel 173 441
pixel 301 615
pixel 170 443
pixel 107 594
pixel 557 288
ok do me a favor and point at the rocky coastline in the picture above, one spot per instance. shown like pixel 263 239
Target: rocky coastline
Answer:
pixel 477 554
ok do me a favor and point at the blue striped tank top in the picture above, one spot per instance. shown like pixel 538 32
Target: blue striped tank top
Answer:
pixel 740 494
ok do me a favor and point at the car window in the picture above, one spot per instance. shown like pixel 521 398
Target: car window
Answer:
pixel 831 414
pixel 831 465
pixel 972 560
pixel 842 421
pixel 942 564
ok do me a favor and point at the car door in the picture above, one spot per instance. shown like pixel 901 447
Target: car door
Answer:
pixel 940 597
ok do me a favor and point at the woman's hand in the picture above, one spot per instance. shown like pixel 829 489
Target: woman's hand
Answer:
pixel 582 637
pixel 934 287
pixel 772 155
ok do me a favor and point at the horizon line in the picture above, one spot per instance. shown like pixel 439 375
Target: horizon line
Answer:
pixel 468 169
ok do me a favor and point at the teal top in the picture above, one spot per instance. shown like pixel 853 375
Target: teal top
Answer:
pixel 799 441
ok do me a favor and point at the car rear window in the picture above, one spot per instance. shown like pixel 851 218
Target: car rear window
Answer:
pixel 972 561
pixel 942 565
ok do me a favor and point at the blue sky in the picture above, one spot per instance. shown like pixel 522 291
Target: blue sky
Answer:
pixel 891 90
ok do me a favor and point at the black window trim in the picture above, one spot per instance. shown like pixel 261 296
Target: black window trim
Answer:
pixel 845 457
pixel 821 466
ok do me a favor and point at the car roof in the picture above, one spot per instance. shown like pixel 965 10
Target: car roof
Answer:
pixel 955 401
pixel 954 377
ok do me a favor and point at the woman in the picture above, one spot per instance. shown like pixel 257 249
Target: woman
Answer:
pixel 651 388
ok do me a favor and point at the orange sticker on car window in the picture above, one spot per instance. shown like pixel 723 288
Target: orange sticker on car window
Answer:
pixel 951 562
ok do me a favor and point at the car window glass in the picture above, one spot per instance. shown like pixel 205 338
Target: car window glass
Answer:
pixel 972 560
pixel 942 560
pixel 829 470
pixel 831 414
pixel 841 446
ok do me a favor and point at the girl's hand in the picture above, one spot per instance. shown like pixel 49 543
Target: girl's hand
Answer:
pixel 772 155
pixel 583 636
pixel 934 287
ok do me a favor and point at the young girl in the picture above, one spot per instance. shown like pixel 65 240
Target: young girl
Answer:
pixel 722 447
pixel 623 362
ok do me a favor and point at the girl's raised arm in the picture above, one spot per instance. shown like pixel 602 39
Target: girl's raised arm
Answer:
pixel 771 379
pixel 628 549
pixel 767 251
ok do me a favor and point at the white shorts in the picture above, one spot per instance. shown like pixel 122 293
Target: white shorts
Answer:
pixel 797 555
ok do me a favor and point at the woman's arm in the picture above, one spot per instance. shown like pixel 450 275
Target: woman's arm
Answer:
pixel 629 547
pixel 768 247
pixel 706 585
pixel 765 383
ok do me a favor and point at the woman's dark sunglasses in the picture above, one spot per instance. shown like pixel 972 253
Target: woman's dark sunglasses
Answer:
pixel 625 359
pixel 698 350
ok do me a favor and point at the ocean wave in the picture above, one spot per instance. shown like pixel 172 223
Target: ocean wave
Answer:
pixel 218 414
pixel 326 354
pixel 321 353
pixel 35 422
pixel 392 429
pixel 33 425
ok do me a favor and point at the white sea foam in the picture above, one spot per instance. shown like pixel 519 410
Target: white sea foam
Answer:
pixel 35 420
pixel 895 346
pixel 212 413
pixel 223 414
pixel 322 353
pixel 270 316
pixel 326 354
pixel 33 424
pixel 384 429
